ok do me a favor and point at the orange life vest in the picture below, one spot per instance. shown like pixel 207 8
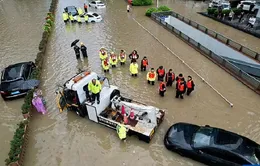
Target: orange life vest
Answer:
pixel 106 62
pixel 161 72
pixel 189 84
pixel 161 86
pixel 151 75
pixel 144 62
pixel 179 79
pixel 181 87
pixel 172 76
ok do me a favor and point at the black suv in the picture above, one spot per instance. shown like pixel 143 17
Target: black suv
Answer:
pixel 13 76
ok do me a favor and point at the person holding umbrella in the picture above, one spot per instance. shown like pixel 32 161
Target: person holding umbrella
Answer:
pixel 83 49
pixel 76 48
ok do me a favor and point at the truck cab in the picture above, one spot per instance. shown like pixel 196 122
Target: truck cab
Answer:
pixel 73 94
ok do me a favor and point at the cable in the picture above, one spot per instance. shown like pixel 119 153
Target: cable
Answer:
pixel 230 104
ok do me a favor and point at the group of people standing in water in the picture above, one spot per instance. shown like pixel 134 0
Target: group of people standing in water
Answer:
pixel 165 79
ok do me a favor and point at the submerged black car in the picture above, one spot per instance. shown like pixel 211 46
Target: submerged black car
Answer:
pixel 71 9
pixel 212 146
pixel 13 76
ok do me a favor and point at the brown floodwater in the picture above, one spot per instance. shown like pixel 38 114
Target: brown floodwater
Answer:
pixel 66 139
pixel 20 33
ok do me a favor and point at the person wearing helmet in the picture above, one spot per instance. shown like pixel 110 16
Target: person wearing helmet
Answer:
pixel 102 53
pixel 83 49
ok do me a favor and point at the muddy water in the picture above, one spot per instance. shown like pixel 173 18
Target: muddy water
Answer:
pixel 20 33
pixel 65 139
pixel 189 9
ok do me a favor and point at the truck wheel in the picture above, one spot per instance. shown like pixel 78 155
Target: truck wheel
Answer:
pixel 92 21
pixel 114 93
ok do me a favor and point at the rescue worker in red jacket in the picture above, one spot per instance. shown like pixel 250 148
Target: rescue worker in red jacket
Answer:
pixel 151 76
pixel 169 78
pixel 181 89
pixel 190 85
pixel 144 64
pixel 134 56
pixel 162 88
pixel 161 73
pixel 178 79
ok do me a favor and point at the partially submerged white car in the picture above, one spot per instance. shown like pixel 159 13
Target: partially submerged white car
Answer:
pixel 92 17
pixel 97 4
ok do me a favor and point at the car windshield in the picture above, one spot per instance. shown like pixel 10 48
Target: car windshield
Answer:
pixel 225 6
pixel 202 137
pixel 100 3
pixel 95 14
pixel 11 73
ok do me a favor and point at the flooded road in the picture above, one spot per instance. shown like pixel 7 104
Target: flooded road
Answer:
pixel 66 139
pixel 20 32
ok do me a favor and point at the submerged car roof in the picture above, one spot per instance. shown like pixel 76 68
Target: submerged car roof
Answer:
pixel 13 71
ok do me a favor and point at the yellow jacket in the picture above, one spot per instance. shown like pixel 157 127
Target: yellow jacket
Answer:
pixel 113 61
pixel 121 131
pixel 79 19
pixel 65 16
pixel 86 18
pixel 133 68
pixel 102 57
pixel 94 88
pixel 122 59
pixel 71 17
pixel 150 76
pixel 80 11
pixel 105 67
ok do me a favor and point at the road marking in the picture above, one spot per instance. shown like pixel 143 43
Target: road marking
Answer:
pixel 230 104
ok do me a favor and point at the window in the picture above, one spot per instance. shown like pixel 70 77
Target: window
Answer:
pixel 26 71
pixel 93 2
pixel 95 14
pixel 90 15
pixel 225 155
pixel 12 73
pixel 202 137
pixel 226 138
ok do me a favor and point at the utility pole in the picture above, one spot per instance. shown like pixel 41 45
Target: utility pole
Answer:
pixel 157 3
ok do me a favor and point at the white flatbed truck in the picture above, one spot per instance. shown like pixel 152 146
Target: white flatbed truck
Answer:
pixel 72 96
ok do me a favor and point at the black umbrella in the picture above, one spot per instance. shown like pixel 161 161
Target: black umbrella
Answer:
pixel 74 43
pixel 29 84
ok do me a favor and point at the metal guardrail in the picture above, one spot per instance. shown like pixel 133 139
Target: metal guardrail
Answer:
pixel 245 78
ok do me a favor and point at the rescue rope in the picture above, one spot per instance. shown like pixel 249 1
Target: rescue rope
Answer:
pixel 230 104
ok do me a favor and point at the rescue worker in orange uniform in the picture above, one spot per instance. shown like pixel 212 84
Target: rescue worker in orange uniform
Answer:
pixel 161 73
pixel 178 79
pixel 151 76
pixel 181 88
pixel 134 56
pixel 169 78
pixel 190 85
pixel 106 65
pixel 144 64
pixel 162 88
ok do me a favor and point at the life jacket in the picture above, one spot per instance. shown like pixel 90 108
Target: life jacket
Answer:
pixel 102 55
pixel 122 55
pixel 105 65
pixel 179 79
pixel 151 75
pixel 144 62
pixel 113 57
pixel 161 72
pixel 121 131
pixel 189 84
pixel 181 87
pixel 134 56
pixel 161 86
pixel 133 68
pixel 170 76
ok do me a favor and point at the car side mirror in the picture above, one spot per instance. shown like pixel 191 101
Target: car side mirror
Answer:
pixel 200 152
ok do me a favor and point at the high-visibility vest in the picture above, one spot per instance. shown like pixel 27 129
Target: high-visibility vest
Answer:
pixel 144 62
pixel 80 11
pixel 86 18
pixel 133 68
pixel 161 72
pixel 181 87
pixel 161 88
pixel 121 131
pixel 179 79
pixel 134 56
pixel 122 57
pixel 94 88
pixel 189 84
pixel 151 76
pixel 65 16
pixel 101 56
pixel 105 65
pixel 113 60
pixel 170 77
pixel 79 19
pixel 71 17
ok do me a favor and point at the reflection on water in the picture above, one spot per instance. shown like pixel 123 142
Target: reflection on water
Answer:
pixel 65 139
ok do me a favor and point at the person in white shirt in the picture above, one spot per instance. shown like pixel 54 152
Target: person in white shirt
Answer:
pixel 128 8
pixel 251 22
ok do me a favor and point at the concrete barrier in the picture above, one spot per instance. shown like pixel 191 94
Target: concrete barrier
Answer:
pixel 245 78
